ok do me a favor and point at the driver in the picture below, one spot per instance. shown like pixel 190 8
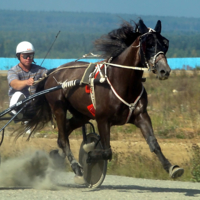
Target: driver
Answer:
pixel 22 76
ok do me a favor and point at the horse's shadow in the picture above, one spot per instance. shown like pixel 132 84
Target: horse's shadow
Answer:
pixel 140 189
pixel 126 188
pixel 15 188
pixel 119 188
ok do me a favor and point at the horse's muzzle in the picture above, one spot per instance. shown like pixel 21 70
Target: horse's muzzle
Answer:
pixel 162 69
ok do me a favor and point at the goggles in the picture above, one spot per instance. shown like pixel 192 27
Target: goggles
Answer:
pixel 25 56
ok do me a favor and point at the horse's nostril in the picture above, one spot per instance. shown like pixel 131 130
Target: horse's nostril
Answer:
pixel 163 72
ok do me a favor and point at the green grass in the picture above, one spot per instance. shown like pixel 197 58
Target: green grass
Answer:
pixel 173 115
pixel 139 165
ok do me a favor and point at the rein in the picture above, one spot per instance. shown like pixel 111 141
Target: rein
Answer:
pixel 105 63
pixel 147 68
pixel 127 67
pixel 67 67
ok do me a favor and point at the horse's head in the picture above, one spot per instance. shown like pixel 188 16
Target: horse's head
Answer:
pixel 153 48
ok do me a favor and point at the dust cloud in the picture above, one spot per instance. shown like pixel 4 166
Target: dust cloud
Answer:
pixel 34 169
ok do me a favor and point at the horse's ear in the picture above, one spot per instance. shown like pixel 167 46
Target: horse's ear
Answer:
pixel 142 27
pixel 158 26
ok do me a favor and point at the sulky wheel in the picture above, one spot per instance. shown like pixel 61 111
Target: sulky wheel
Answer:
pixel 95 172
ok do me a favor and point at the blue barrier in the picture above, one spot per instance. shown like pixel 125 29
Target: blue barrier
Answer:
pixel 183 63
pixel 7 63
pixel 174 63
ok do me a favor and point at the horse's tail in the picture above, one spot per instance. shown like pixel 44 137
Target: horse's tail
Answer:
pixel 39 110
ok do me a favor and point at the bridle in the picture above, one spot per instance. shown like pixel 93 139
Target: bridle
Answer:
pixel 133 105
pixel 154 60
pixel 146 66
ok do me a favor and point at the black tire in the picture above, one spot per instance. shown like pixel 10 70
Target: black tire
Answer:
pixel 94 173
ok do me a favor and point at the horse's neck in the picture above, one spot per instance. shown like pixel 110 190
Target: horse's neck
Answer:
pixel 130 57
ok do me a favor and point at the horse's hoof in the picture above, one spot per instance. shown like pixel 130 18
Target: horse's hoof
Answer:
pixel 175 171
pixel 57 160
pixel 79 180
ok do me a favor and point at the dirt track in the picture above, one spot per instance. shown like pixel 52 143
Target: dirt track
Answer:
pixel 176 150
pixel 114 187
pixel 62 185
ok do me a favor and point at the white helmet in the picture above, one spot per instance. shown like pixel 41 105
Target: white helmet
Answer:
pixel 25 47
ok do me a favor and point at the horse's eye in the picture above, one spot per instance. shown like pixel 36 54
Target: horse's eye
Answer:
pixel 150 46
pixel 166 43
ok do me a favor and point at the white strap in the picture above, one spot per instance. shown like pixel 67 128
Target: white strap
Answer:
pixel 127 67
pixel 92 93
pixel 154 58
pixel 131 105
pixel 122 100
pixel 67 84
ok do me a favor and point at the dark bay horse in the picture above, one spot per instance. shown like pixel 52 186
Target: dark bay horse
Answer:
pixel 121 99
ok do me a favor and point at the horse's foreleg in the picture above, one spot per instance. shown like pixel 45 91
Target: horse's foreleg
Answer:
pixel 104 132
pixel 143 121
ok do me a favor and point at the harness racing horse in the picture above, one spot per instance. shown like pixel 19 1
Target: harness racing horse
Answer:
pixel 119 99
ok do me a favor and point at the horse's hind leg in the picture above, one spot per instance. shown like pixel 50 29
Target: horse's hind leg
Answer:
pixel 143 121
pixel 65 127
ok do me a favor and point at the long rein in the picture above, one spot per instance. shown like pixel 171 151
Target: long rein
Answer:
pixel 86 65
pixel 147 68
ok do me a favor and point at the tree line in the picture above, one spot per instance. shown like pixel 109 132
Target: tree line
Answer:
pixel 79 30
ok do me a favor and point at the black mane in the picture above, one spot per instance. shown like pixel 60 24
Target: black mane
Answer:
pixel 116 41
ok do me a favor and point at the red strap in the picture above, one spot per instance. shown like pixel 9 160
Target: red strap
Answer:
pixel 91 109
pixel 87 89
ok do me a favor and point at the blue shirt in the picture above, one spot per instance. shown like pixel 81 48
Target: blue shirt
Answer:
pixel 18 73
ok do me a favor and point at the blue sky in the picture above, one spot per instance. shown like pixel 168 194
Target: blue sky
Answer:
pixel 177 8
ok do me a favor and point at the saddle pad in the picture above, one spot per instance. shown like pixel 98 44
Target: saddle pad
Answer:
pixel 88 71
